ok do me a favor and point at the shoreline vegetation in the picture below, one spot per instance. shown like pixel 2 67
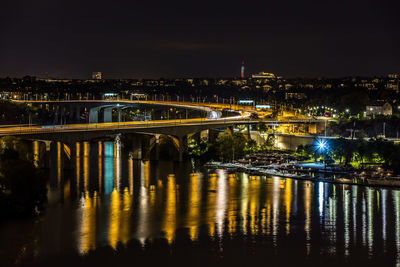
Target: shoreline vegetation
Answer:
pixel 23 187
pixel 373 162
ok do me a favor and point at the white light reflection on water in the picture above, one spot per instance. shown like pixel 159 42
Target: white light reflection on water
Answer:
pixel 320 199
pixel 220 206
pixel 364 221
pixel 370 235
pixel 384 208
pixel 276 182
pixel 346 197
pixel 396 203
pixel 332 217
pixel 117 163
pixel 307 211
pixel 143 207
pixel 354 191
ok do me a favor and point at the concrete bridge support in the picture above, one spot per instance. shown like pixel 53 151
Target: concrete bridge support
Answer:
pixel 155 147
pixel 108 114
pixel 56 164
pixel 136 147
pixel 94 115
pixel 180 145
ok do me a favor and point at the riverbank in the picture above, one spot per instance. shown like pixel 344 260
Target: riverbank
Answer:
pixel 329 174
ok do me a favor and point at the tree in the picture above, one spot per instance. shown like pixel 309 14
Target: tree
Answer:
pixel 262 127
pixel 230 146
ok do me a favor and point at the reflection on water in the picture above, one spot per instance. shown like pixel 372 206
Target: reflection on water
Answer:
pixel 116 199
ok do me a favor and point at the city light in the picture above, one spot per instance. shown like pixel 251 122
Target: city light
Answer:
pixel 322 145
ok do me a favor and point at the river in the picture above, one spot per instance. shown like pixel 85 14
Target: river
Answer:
pixel 111 208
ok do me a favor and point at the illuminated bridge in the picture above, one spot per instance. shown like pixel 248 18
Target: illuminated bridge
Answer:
pixel 178 128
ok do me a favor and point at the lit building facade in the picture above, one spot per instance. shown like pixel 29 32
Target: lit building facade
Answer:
pixel 96 75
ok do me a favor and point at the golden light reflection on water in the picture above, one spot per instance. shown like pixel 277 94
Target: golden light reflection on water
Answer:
pixel 221 201
pixel 232 204
pixel 142 231
pixel 266 214
pixel 100 165
pixel 59 162
pixel 36 153
pixel 114 219
pixel 78 163
pixel 169 221
pixel 194 193
pixel 244 202
pixel 276 186
pixel 130 175
pixel 254 190
pixel 212 186
pixel 125 226
pixel 236 203
pixel 87 223
pixel 117 164
pixel 287 200
pixel 85 165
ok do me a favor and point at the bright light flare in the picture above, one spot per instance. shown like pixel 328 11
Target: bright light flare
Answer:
pixel 322 144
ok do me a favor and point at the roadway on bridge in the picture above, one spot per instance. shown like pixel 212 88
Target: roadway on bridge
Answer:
pixel 243 117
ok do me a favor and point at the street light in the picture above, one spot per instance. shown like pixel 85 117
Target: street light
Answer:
pixel 322 145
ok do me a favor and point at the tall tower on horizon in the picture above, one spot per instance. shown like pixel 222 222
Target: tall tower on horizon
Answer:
pixel 242 70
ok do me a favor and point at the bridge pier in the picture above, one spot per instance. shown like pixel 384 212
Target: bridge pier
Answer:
pixel 94 115
pixel 155 147
pixel 181 148
pixel 56 163
pixel 107 114
pixel 136 147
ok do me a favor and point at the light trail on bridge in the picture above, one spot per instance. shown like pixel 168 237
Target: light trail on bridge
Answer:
pixel 243 117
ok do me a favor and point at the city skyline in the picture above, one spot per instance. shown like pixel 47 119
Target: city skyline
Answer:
pixel 154 40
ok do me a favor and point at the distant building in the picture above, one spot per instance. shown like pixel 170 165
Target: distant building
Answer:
pixel 295 95
pixel 263 75
pixel 378 108
pixel 393 76
pixel 96 75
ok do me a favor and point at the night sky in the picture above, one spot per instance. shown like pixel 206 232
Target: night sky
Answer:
pixel 153 39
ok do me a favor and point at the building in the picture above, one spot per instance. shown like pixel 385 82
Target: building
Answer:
pixel 263 75
pixel 378 108
pixel 96 75
pixel 295 95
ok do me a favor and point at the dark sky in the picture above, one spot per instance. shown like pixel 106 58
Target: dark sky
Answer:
pixel 152 39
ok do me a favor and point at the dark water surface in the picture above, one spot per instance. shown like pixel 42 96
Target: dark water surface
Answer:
pixel 116 211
